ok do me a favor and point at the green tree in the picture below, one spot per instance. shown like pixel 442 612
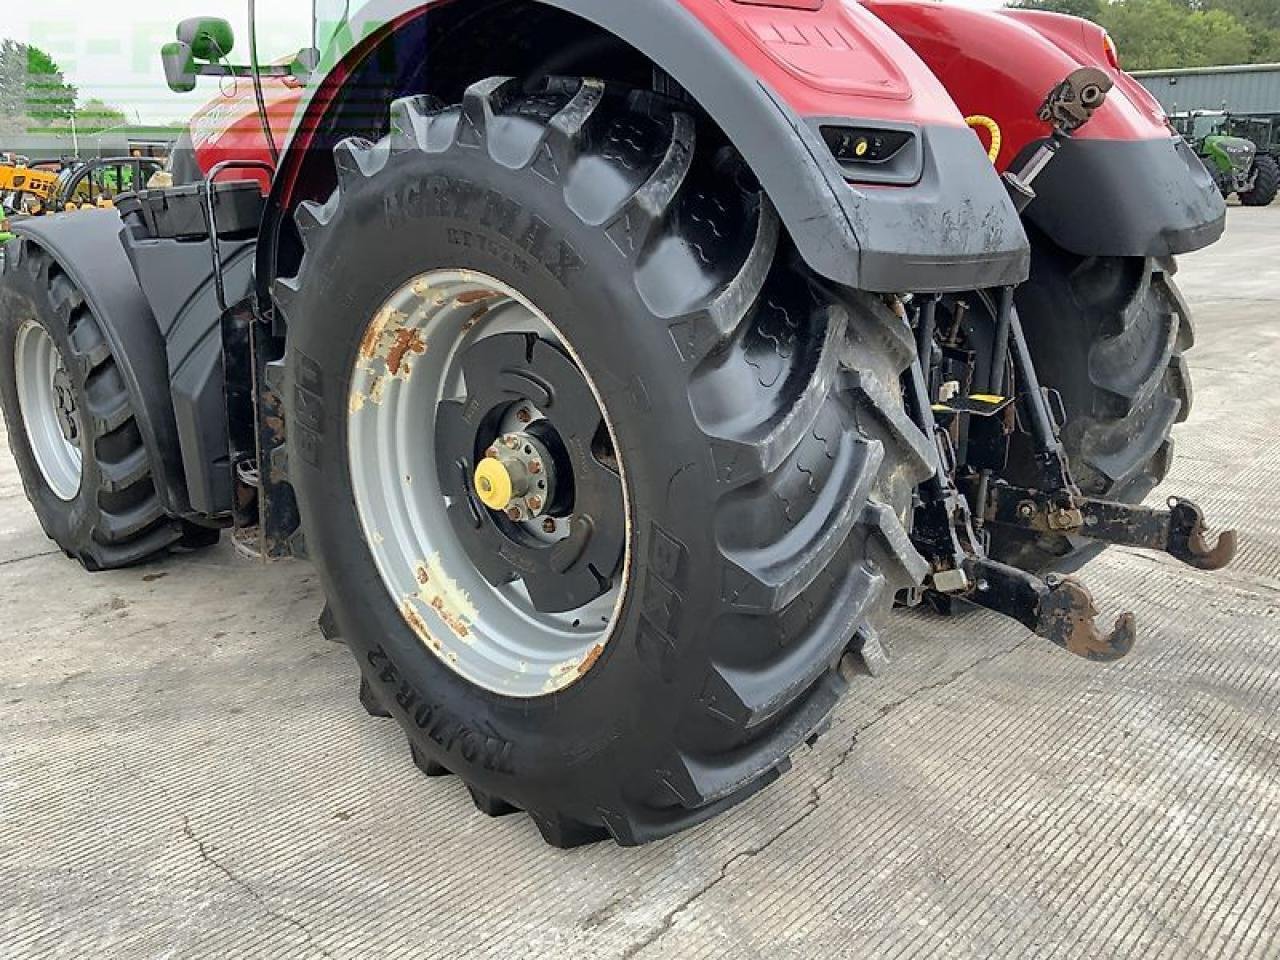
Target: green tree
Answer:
pixel 96 116
pixel 1154 34
pixel 1261 18
pixel 33 90
pixel 1088 9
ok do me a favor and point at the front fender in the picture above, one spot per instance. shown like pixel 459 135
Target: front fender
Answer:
pixel 86 244
pixel 770 77
pixel 1124 185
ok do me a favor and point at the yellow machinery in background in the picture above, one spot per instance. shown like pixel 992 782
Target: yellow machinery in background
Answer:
pixel 27 190
pixel 37 190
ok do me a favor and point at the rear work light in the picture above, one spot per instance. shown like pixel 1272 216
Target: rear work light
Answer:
pixel 875 154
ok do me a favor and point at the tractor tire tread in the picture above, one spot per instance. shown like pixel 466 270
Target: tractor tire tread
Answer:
pixel 818 451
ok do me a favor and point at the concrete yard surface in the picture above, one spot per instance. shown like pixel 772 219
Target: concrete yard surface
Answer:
pixel 185 770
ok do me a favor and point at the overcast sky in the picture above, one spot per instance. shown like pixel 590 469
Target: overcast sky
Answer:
pixel 110 49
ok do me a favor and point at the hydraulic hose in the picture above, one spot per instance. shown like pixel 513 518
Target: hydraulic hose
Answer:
pixel 986 123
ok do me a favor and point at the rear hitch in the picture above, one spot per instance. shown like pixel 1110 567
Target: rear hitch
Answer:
pixel 1059 609
pixel 950 527
pixel 1179 531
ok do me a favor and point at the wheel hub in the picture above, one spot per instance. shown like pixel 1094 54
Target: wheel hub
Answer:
pixel 502 538
pixel 516 477
pixel 68 415
pixel 530 428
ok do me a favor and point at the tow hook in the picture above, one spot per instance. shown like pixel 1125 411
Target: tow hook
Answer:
pixel 1179 531
pixel 1059 609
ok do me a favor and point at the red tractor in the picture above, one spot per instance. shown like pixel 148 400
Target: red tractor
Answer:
pixel 620 365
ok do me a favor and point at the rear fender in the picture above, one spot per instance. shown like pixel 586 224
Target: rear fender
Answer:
pixel 87 246
pixel 1124 185
pixel 770 77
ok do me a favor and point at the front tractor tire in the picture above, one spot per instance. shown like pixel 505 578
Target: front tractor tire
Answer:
pixel 1107 334
pixel 71 424
pixel 579 284
pixel 1266 182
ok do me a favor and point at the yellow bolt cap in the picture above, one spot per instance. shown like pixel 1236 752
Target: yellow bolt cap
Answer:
pixel 493 484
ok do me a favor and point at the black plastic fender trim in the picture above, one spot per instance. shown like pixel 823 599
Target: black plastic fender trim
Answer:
pixel 1127 198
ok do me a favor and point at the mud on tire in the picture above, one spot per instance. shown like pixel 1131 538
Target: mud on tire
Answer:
pixel 768 462
pixel 115 518
pixel 1108 334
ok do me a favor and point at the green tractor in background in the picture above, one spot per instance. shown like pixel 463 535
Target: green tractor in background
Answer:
pixel 1236 162
pixel 1263 131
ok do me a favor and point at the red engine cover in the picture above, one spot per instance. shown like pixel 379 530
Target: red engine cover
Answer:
pixel 230 128
pixel 1002 64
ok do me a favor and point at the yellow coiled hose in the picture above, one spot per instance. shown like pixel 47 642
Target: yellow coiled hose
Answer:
pixel 978 121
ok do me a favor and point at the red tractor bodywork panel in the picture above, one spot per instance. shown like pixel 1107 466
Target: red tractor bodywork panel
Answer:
pixel 769 75
pixel 772 73
pixel 831 59
pixel 834 61
pixel 837 60
pixel 1002 64
pixel 229 128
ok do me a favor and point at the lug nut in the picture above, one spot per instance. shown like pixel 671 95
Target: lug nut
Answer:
pixel 548 525
pixel 535 467
pixel 492 453
pixel 535 503
pixel 523 415
pixel 515 514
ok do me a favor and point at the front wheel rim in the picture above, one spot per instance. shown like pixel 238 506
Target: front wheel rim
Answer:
pixel 50 412
pixel 429 430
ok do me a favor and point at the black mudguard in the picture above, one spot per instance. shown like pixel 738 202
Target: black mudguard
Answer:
pixel 87 246
pixel 1127 198
pixel 953 229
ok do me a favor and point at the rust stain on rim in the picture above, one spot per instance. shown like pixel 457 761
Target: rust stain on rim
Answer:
pixel 590 659
pixel 406 341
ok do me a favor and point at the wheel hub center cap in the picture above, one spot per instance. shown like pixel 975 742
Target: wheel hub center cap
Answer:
pixel 65 405
pixel 515 477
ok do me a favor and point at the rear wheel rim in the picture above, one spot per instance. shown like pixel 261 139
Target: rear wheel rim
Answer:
pixel 407 388
pixel 49 410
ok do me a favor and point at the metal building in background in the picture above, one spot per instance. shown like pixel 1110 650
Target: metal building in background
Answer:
pixel 1247 88
pixel 119 141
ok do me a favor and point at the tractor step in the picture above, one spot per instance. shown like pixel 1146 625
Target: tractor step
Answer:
pixel 977 405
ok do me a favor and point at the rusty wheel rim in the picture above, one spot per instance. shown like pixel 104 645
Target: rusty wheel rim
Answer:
pixel 49 410
pixel 409 366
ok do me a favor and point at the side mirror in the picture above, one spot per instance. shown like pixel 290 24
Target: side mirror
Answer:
pixel 209 38
pixel 179 67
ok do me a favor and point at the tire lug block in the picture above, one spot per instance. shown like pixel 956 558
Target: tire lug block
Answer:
pixel 567 834
pixel 369 700
pixel 490 805
pixel 426 764
pixel 329 625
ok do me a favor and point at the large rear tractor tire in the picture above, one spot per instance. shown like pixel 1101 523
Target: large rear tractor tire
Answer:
pixel 71 424
pixel 1108 334
pixel 1266 183
pixel 578 287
